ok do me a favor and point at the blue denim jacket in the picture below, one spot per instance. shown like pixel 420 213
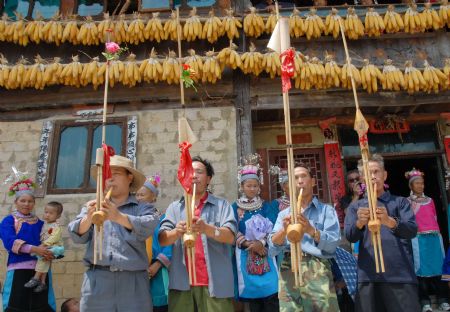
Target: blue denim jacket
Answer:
pixel 321 216
pixel 217 212
pixel 123 249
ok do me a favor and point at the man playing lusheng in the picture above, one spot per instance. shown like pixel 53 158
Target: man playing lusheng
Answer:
pixel 321 227
pixel 396 289
pixel 216 227
pixel 119 282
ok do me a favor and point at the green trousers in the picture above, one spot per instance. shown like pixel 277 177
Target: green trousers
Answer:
pixel 198 299
pixel 317 293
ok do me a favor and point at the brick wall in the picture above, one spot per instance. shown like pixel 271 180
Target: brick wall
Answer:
pixel 157 151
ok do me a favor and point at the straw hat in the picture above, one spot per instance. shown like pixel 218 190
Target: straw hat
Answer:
pixel 123 162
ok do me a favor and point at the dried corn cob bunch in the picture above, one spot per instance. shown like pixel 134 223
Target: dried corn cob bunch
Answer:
pixel 444 13
pixel 16 77
pixel 53 30
pixel 196 65
pixel 305 78
pixel 413 22
pixel 91 74
pixel 314 26
pixel 193 27
pixel 213 28
pixel 253 24
pixel 348 70
pixel 35 29
pixel 4 71
pixel 392 77
pixel 374 24
pixel 272 64
pixel 34 76
pixel 430 18
pixel 298 63
pixel 116 72
pixel 52 74
pixel 4 26
pixel 271 22
pixel 332 72
pixel 88 34
pixel 104 26
pixel 434 78
pixel 211 68
pixel 354 28
pixel 171 68
pixel 393 21
pixel 370 75
pixel 447 73
pixel 16 31
pixel 154 29
pixel 229 57
pixel 71 72
pixel 231 25
pixel 151 69
pixel 332 23
pixel 70 32
pixel 121 30
pixel 296 24
pixel 252 61
pixel 414 81
pixel 131 74
pixel 136 27
pixel 170 27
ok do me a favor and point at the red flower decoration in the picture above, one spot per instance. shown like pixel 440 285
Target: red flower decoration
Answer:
pixel 186 66
pixel 50 231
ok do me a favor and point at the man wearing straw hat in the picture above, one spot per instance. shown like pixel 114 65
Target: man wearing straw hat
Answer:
pixel 396 288
pixel 321 227
pixel 216 227
pixel 119 280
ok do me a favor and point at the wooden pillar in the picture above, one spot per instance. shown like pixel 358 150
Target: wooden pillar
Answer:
pixel 244 136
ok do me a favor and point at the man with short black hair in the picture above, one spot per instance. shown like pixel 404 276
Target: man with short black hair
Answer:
pixel 396 289
pixel 319 243
pixel 216 228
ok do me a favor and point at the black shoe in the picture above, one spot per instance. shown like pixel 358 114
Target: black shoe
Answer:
pixel 32 283
pixel 41 287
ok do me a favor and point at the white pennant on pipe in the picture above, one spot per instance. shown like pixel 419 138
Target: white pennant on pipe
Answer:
pixel 280 39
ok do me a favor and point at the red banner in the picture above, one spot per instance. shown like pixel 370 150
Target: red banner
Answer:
pixel 185 170
pixel 335 171
pixel 447 148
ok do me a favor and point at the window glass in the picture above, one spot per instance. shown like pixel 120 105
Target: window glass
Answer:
pixel 90 7
pixel 20 6
pixel 113 138
pixel 154 4
pixel 46 8
pixel 71 158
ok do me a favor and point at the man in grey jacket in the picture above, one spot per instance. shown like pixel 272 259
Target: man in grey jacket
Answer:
pixel 216 227
pixel 118 282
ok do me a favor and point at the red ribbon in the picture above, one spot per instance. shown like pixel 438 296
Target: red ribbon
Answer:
pixel 108 152
pixel 287 69
pixel 185 170
pixel 363 141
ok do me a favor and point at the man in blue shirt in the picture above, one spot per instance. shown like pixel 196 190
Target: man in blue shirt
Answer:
pixel 396 289
pixel 322 235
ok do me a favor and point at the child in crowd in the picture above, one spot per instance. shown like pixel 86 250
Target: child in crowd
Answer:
pixel 159 257
pixel 51 237
pixel 70 305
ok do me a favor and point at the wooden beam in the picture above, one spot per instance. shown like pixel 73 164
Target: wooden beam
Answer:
pixel 244 134
pixel 341 99
pixel 379 109
pixel 345 120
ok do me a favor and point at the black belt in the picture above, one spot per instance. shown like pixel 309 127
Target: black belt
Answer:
pixel 103 268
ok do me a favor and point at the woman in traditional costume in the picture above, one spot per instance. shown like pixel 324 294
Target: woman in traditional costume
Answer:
pixel 20 232
pixel 283 201
pixel 428 249
pixel 257 274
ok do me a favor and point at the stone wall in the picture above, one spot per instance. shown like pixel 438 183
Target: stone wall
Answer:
pixel 157 151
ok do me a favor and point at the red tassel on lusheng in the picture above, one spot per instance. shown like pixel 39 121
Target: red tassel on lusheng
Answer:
pixel 287 69
pixel 108 152
pixel 185 170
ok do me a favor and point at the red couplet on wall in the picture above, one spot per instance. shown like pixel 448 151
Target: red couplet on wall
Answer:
pixel 335 171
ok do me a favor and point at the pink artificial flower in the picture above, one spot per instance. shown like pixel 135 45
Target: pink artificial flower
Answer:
pixel 112 47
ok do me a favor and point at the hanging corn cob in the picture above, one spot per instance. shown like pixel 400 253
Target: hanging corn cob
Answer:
pixel 430 18
pixel 272 64
pixel 16 78
pixel 296 24
pixel 71 72
pixel 346 78
pixel 393 78
pixel 192 29
pixel 121 30
pixel 35 74
pixel 370 75
pixel 136 27
pixel 104 26
pixel 332 23
pixel 444 13
pixel 354 28
pixel 34 29
pixel 332 72
pixel 211 68
pixel 229 57
pixel 393 21
pixel 413 22
pixel 70 32
pixel 414 81
pixel 213 28
pixel 195 64
pixel 271 22
pixel 88 34
pixel 154 30
pixel 171 68
pixel 151 69
pixel 253 24
pixel 434 78
pixel 252 61
pixel 231 25
pixel 170 27
pixel 373 23
pixel 314 26
pixel 4 71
